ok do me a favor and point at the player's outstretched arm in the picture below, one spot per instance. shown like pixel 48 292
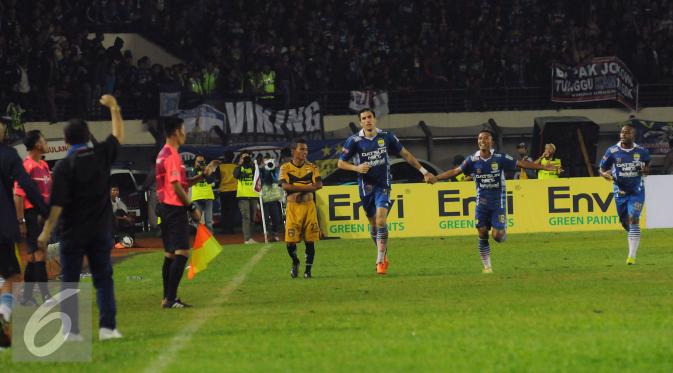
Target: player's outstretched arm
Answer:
pixel 427 176
pixel 115 112
pixel 345 165
pixel 449 174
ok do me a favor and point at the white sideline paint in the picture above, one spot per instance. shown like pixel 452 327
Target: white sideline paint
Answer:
pixel 179 340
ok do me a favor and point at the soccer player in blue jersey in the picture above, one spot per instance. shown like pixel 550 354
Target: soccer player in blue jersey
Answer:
pixel 488 171
pixel 368 153
pixel 625 164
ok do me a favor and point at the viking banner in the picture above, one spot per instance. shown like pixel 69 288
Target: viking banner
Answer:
pixel 207 124
pixel 603 78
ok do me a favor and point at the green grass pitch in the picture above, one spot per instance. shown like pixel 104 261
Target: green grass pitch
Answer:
pixel 556 302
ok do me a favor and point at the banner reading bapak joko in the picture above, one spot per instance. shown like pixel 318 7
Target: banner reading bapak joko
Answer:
pixel 603 78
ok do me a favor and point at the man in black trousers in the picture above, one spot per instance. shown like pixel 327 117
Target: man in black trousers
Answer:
pixel 81 198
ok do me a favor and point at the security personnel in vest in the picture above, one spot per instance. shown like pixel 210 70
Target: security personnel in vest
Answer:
pixel 202 191
pixel 196 83
pixel 548 158
pixel 246 195
pixel 268 82
pixel 210 75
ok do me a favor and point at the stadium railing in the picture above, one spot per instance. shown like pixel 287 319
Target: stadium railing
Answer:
pixel 399 101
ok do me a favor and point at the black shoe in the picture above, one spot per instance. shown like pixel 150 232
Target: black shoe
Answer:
pixel 307 274
pixel 176 304
pixel 294 272
pixel 5 336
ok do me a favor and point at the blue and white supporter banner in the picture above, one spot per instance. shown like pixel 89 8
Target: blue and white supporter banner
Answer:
pixel 203 122
pixel 602 78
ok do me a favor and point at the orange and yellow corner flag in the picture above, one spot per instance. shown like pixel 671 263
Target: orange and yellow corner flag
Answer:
pixel 206 248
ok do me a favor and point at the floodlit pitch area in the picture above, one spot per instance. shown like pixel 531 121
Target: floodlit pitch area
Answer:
pixel 556 302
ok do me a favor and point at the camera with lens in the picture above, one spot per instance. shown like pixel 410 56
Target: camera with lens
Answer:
pixel 270 164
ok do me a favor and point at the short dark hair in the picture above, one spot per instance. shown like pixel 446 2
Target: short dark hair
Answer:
pixel 487 131
pixel 364 110
pixel 297 142
pixel 172 124
pixel 228 156
pixel 76 132
pixel 31 139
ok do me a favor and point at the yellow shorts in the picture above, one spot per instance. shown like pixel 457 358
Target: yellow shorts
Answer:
pixel 301 222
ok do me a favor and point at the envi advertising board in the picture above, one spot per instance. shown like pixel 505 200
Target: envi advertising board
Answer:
pixel 447 209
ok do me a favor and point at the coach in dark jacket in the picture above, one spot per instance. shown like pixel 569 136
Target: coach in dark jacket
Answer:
pixel 80 197
pixel 11 170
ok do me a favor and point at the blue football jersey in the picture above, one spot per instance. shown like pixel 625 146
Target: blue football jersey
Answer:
pixel 489 175
pixel 626 166
pixel 376 151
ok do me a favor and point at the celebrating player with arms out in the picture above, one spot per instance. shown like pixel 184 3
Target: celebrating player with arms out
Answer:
pixel 625 164
pixel 489 169
pixel 300 179
pixel 370 149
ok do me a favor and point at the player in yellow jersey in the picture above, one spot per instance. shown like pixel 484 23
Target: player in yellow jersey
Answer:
pixel 300 179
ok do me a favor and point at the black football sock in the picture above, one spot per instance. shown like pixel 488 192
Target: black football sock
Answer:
pixel 177 269
pixel 28 281
pixel 165 273
pixel 310 254
pixel 40 275
pixel 292 251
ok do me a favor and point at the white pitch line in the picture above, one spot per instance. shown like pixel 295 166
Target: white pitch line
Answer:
pixel 179 340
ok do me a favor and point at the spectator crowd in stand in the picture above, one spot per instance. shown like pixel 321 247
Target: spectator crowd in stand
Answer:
pixel 287 48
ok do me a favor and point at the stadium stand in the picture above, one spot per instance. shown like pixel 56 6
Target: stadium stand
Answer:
pixel 431 55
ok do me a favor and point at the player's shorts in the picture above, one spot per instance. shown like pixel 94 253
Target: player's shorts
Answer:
pixel 629 205
pixel 491 217
pixel 373 197
pixel 301 222
pixel 9 263
pixel 174 227
pixel 33 229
